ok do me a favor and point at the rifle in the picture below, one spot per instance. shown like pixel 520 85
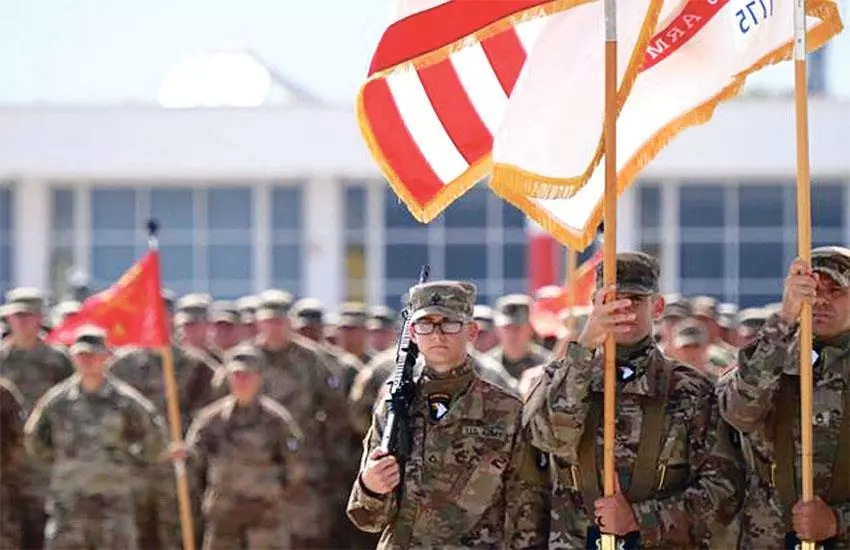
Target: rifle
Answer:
pixel 396 439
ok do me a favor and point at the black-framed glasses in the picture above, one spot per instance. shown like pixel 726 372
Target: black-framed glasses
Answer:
pixel 425 328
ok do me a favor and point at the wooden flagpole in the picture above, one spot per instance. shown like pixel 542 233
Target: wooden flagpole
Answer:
pixel 175 425
pixel 804 247
pixel 610 251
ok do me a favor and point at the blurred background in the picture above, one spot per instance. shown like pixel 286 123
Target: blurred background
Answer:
pixel 233 124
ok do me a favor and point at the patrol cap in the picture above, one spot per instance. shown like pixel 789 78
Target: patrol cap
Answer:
pixel 772 308
pixel 451 299
pixel 704 306
pixel 513 309
pixel 307 312
pixel 381 317
pixel 352 315
pixel 689 333
pixel 331 324
pixel 169 298
pixel 547 292
pixel 637 273
pixel 225 312
pixel 750 320
pixel 273 304
pixel 244 358
pixel 727 315
pixel 64 309
pixel 24 299
pixel 247 306
pixel 90 339
pixel 833 261
pixel 483 317
pixel 192 308
pixel 676 306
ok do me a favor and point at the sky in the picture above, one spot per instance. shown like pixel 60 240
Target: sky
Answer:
pixel 119 51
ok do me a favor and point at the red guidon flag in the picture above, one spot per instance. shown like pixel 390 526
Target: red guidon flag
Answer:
pixel 131 310
pixel 700 55
pixel 545 312
pixel 446 71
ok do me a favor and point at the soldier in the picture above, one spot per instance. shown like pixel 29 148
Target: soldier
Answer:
pixel 34 367
pixel 690 346
pixel 761 399
pixel 382 328
pixel 245 447
pixel 11 449
pixel 297 375
pixel 94 431
pixel 472 478
pixel 332 329
pixel 677 484
pixel 517 350
pixel 676 309
pixel 727 320
pixel 721 355
pixel 225 332
pixel 63 310
pixel 247 306
pixel 486 339
pixel 352 331
pixel 192 322
pixel 750 322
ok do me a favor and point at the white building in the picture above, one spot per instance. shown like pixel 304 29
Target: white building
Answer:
pixel 289 197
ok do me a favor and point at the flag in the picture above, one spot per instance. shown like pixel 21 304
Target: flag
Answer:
pixel 701 57
pixel 545 312
pixel 445 72
pixel 131 310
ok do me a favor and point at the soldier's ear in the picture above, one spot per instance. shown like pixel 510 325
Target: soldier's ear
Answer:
pixel 472 331
pixel 657 306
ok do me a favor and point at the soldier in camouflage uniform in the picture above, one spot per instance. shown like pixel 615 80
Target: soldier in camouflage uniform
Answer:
pixel 676 309
pixel 11 449
pixel 192 321
pixel 484 318
pixel 761 399
pixel 517 350
pixel 472 479
pixel 225 331
pixel 245 447
pixel 298 376
pixel 721 355
pixel 247 306
pixel 690 346
pixel 677 480
pixel 381 324
pixel 351 328
pixel 94 431
pixel 750 322
pixel 34 367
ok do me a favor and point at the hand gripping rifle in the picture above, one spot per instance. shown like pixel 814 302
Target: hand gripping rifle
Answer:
pixel 396 439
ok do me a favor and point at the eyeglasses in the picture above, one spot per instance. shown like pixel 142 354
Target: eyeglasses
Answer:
pixel 446 327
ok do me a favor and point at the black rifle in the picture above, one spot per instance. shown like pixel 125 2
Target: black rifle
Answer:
pixel 396 439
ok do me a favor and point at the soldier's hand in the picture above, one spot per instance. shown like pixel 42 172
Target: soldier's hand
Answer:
pixel 614 514
pixel 381 474
pixel 800 287
pixel 178 452
pixel 814 520
pixel 605 318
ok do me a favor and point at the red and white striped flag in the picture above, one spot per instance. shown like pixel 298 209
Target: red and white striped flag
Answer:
pixel 444 73
pixel 700 57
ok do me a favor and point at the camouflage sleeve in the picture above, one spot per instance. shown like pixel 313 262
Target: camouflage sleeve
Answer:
pixel 368 511
pixel 361 400
pixel 64 366
pixel 333 412
pixel 712 497
pixel 745 394
pixel 38 433
pixel 147 433
pixel 557 406
pixel 527 496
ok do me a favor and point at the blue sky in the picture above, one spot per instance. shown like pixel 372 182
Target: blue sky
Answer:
pixel 118 51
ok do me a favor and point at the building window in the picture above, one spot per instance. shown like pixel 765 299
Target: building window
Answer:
pixel 174 208
pixel 116 231
pixel 702 205
pixel 287 262
pixel 62 239
pixel 6 239
pixel 230 243
pixel 355 197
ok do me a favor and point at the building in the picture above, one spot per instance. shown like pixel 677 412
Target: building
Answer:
pixel 288 197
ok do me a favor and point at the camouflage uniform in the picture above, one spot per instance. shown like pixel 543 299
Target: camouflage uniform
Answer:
pixel 353 315
pixel 247 457
pixel 721 355
pixel 693 484
pixel 33 371
pixel 11 447
pixel 472 479
pixel 94 444
pixel 383 319
pixel 515 309
pixel 299 377
pixel 766 380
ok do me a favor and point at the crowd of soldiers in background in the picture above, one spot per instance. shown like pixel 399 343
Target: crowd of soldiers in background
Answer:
pixel 327 370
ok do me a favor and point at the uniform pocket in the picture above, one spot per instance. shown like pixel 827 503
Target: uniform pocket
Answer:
pixel 482 485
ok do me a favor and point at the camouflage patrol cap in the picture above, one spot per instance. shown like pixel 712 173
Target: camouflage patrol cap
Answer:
pixel 727 315
pixel 451 299
pixel 64 309
pixel 381 317
pixel 192 308
pixel 247 306
pixel 513 309
pixel 676 306
pixel 244 358
pixel 307 312
pixel 637 273
pixel 689 333
pixel 274 304
pixel 225 312
pixel 704 306
pixel 833 261
pixel 547 292
pixel 24 300
pixel 90 339
pixel 483 316
pixel 750 320
pixel 352 315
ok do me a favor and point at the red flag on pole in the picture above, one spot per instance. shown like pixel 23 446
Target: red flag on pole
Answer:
pixel 545 312
pixel 131 310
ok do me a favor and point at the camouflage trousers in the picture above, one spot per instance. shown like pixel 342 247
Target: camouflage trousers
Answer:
pixel 307 517
pixel 233 527
pixel 35 479
pixel 92 521
pixel 10 520
pixel 156 514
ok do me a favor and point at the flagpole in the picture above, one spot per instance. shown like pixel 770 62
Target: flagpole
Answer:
pixel 187 528
pixel 610 251
pixel 804 247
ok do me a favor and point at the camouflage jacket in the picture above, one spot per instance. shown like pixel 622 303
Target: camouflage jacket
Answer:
pixel 11 430
pixel 34 371
pixel 537 355
pixel 472 479
pixel 94 442
pixel 748 401
pixel 247 456
pixel 699 481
